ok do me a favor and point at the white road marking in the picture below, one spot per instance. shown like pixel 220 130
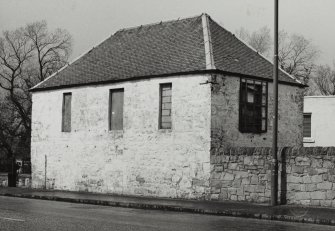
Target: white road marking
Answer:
pixel 11 219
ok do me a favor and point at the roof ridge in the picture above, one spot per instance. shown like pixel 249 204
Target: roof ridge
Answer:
pixel 207 42
pixel 158 23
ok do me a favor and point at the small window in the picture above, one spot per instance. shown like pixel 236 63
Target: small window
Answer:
pixel 116 109
pixel 253 106
pixel 66 112
pixel 165 105
pixel 307 131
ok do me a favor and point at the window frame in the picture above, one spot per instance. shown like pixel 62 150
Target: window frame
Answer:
pixel 243 103
pixel 64 129
pixel 161 85
pixel 110 107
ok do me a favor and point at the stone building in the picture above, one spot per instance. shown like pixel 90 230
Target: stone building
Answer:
pixel 140 113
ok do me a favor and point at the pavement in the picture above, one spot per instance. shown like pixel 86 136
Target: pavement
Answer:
pixel 290 213
pixel 22 214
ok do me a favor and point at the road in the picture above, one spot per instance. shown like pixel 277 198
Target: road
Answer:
pixel 28 214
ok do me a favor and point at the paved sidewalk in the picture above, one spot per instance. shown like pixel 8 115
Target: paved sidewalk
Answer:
pixel 291 213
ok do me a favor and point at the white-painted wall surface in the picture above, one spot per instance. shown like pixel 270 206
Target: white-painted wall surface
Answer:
pixel 322 109
pixel 141 159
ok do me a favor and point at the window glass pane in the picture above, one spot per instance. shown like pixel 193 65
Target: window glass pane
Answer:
pixel 165 121
pixel 258 95
pixel 264 89
pixel 263 99
pixel 263 112
pixel 263 124
pixel 250 93
pixel 250 97
pixel 116 109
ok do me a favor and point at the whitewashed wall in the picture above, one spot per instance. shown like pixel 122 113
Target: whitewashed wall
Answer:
pixel 141 159
pixel 322 120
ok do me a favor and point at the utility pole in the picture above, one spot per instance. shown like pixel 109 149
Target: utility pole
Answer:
pixel 45 171
pixel 274 167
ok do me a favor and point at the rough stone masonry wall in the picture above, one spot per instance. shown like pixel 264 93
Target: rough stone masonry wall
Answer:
pixel 306 176
pixel 225 116
pixel 310 176
pixel 241 174
pixel 139 160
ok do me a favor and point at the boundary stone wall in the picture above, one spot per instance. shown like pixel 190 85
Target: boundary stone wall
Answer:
pixel 241 174
pixel 306 175
pixel 310 176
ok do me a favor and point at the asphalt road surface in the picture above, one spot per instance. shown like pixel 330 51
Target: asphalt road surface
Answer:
pixel 28 214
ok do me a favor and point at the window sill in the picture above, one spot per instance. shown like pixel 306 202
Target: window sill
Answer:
pixel 116 134
pixel 253 132
pixel 161 130
pixel 308 140
pixel 116 131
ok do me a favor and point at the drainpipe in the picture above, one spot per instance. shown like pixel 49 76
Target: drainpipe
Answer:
pixel 274 162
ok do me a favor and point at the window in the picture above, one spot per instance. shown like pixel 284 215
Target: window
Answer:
pixel 253 106
pixel 307 125
pixel 66 112
pixel 165 103
pixel 116 109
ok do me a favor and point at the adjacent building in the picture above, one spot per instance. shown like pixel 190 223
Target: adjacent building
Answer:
pixel 319 124
pixel 140 113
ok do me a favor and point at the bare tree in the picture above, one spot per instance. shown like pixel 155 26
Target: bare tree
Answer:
pixel 297 56
pixel 27 56
pixel 260 40
pixel 324 80
pixel 296 53
pixel 15 51
pixel 51 50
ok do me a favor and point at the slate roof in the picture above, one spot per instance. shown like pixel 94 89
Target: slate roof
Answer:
pixel 166 48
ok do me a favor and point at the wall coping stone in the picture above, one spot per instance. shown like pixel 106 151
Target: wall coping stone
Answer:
pixel 288 151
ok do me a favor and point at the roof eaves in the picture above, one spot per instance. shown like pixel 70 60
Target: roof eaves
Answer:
pixel 258 78
pixel 204 71
pixel 194 72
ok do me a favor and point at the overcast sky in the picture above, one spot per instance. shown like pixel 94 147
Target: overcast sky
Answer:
pixel 91 21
